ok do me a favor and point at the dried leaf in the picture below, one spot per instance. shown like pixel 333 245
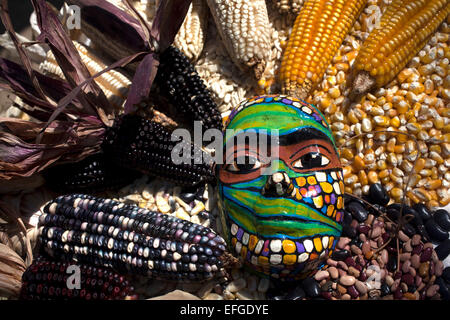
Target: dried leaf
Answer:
pixel 18 81
pixel 142 82
pixel 62 140
pixel 168 20
pixel 117 24
pixel 4 15
pixel 92 97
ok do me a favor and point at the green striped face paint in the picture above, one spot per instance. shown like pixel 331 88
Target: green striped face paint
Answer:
pixel 282 205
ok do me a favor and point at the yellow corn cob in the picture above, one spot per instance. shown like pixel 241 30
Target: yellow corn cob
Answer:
pixel 318 31
pixel 405 28
pixel 114 84
pixel 289 6
pixel 244 28
pixel 191 36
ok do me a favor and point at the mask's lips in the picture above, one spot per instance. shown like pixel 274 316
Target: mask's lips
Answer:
pixel 280 257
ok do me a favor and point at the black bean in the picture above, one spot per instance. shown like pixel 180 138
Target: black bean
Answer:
pixel 435 231
pixel 423 232
pixel 347 217
pixel 311 287
pixel 187 197
pixel 378 194
pixel 446 274
pixel 442 218
pixel 377 209
pixel 416 220
pixel 359 212
pixel 385 290
pixel 409 230
pixel 393 214
pixel 278 298
pixel 348 231
pixel 443 249
pixel 392 263
pixel 340 255
pixel 423 211
pixel 443 289
pixel 297 294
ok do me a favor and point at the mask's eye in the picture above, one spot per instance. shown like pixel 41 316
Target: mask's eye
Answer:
pixel 244 164
pixel 311 160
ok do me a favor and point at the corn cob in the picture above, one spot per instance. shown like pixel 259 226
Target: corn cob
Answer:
pixel 289 6
pixel 191 36
pixel 180 83
pixel 146 146
pixel 94 173
pixel 47 280
pixel 318 31
pixel 405 28
pixel 103 232
pixel 113 83
pixel 244 29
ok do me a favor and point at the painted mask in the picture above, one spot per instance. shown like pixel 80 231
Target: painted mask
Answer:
pixel 281 205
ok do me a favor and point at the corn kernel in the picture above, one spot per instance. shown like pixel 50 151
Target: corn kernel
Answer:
pixel 373 177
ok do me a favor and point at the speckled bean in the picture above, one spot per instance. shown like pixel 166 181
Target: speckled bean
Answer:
pixel 333 272
pixel 361 287
pixel 415 261
pixel 431 291
pixel 415 240
pixel 321 275
pixel 342 265
pixel 406 265
pixel 347 280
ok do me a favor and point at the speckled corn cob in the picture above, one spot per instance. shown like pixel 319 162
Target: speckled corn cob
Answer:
pixel 130 239
pixel 95 173
pixel 404 29
pixel 146 146
pixel 244 28
pixel 114 84
pixel 289 6
pixel 47 280
pixel 191 36
pixel 318 31
pixel 183 87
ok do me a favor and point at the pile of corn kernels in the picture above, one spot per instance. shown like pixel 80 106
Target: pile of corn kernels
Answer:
pixel 412 163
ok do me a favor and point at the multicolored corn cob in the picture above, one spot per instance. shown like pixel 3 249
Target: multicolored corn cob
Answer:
pixel 318 31
pixel 244 28
pixel 146 146
pixel 405 28
pixel 180 83
pixel 48 280
pixel 104 232
pixel 113 83
pixel 94 173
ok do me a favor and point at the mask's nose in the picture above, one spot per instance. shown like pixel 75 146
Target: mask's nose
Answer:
pixel 277 185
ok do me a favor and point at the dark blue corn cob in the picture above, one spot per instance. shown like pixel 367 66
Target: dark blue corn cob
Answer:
pixel 48 280
pixel 103 232
pixel 146 146
pixel 94 173
pixel 181 85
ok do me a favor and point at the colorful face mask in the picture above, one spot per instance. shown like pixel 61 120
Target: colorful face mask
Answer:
pixel 280 187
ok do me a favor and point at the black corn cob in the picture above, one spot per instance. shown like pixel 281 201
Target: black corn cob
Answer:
pixel 47 280
pixel 103 232
pixel 144 145
pixel 180 83
pixel 94 173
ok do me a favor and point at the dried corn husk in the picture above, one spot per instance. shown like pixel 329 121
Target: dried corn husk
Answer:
pixel 12 267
